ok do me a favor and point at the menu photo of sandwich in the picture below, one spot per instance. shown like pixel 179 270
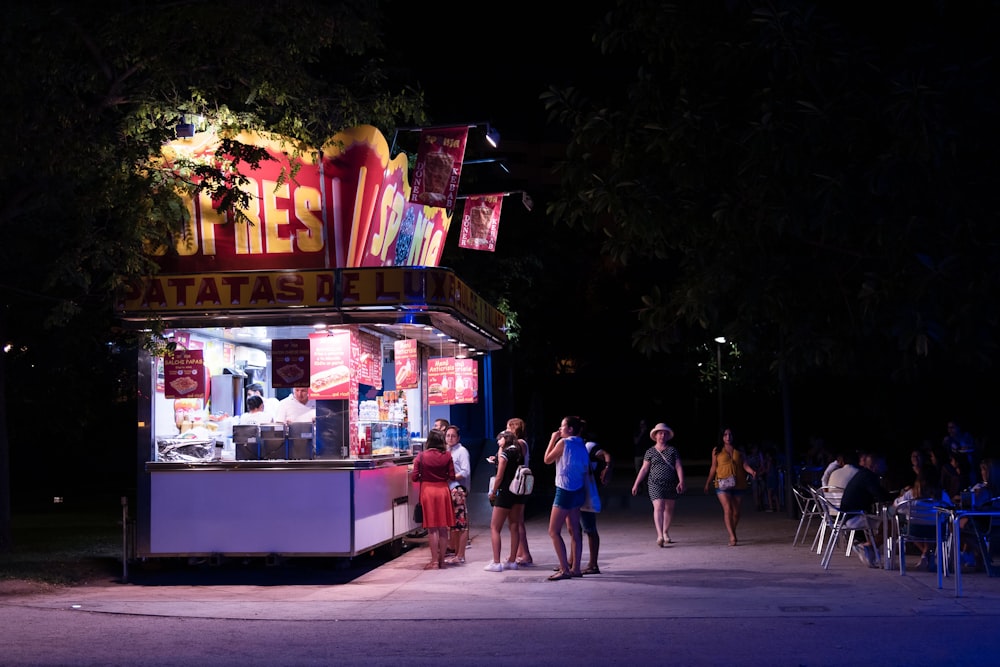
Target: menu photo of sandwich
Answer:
pixel 329 378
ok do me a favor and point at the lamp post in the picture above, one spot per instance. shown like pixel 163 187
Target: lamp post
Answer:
pixel 719 342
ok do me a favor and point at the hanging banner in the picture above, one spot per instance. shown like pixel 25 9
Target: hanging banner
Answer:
pixel 184 374
pixel 466 381
pixel 481 222
pixel 407 365
pixel 441 381
pixel 290 363
pixel 439 166
pixel 330 364
pixel 369 356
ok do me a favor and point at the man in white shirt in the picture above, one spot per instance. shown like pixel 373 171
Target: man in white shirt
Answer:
pixel 842 475
pixel 458 538
pixel 836 464
pixel 296 407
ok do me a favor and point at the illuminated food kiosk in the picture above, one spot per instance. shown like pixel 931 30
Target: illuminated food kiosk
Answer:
pixel 332 301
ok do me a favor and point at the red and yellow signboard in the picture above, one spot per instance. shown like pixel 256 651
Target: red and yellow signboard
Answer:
pixel 349 207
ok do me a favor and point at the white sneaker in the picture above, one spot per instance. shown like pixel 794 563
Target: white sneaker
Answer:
pixel 493 567
pixel 507 565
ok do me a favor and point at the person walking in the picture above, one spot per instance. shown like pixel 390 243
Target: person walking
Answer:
pixel 728 466
pixel 664 476
pixel 504 502
pixel 516 426
pixel 434 469
pixel 567 451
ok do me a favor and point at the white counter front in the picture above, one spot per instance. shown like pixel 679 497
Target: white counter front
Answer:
pixel 251 510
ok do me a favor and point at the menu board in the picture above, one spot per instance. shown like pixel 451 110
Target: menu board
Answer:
pixel 466 381
pixel 330 364
pixel 290 363
pixel 406 363
pixel 368 354
pixel 441 381
pixel 184 374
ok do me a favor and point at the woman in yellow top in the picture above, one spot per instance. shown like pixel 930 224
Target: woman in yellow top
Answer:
pixel 728 466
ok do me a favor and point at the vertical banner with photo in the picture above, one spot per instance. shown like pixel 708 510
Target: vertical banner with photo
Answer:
pixel 407 364
pixel 480 222
pixel 330 364
pixel 369 356
pixel 466 381
pixel 290 363
pixel 439 166
pixel 184 374
pixel 441 381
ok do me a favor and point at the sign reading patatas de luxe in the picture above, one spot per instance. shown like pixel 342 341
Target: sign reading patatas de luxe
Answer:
pixel 325 289
pixel 344 206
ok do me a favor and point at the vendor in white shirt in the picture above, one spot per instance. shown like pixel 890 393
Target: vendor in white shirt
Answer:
pixel 270 403
pixel 255 412
pixel 296 407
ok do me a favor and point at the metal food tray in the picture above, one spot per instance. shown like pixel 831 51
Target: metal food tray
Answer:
pixel 184 449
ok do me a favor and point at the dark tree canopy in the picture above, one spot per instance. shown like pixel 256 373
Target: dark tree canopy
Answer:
pixel 811 179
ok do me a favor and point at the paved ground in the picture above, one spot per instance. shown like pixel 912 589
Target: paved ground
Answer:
pixel 697 601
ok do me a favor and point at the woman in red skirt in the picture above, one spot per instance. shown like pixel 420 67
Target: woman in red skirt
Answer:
pixel 433 469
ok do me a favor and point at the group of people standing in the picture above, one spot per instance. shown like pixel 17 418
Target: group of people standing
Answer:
pixel 582 467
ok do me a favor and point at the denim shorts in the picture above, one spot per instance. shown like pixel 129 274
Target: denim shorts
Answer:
pixel 569 500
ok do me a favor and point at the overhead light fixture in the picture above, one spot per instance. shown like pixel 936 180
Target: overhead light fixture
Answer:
pixel 492 136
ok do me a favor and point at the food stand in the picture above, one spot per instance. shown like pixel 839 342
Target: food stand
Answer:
pixel 375 331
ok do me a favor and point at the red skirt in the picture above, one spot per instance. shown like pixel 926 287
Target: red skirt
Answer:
pixel 435 497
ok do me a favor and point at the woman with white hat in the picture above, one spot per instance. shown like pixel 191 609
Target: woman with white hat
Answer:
pixel 662 464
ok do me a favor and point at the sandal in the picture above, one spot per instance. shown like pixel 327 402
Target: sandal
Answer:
pixel 592 570
pixel 732 543
pixel 576 575
pixel 432 566
pixel 559 576
pixel 521 562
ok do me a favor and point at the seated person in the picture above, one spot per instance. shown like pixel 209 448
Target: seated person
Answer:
pixel 862 493
pixel 925 487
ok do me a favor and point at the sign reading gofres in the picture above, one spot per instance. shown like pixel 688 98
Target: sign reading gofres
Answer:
pixel 348 207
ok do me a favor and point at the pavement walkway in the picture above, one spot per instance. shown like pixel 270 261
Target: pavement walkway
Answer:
pixel 697 576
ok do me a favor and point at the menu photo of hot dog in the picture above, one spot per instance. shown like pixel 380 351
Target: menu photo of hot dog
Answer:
pixel 327 380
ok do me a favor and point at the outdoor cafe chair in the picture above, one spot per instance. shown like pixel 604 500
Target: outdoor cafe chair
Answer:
pixel 808 510
pixel 915 521
pixel 842 523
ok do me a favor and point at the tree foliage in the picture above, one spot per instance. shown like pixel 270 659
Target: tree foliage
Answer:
pixel 809 179
pixel 92 90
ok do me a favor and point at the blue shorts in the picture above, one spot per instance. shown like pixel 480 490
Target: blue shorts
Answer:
pixel 732 492
pixel 588 522
pixel 569 500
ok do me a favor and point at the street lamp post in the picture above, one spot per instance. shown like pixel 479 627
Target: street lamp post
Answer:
pixel 719 342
